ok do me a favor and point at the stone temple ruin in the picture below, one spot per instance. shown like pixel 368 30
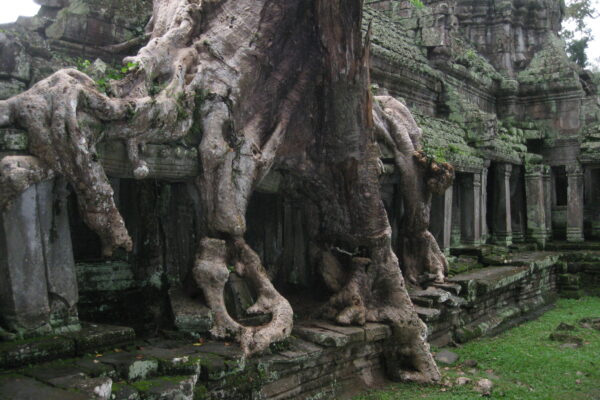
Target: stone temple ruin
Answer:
pixel 495 95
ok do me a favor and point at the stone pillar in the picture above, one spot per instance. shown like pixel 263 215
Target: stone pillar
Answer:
pixel 455 235
pixel 484 210
pixel 38 285
pixel 502 218
pixel 574 203
pixel 592 184
pixel 517 205
pixel 446 220
pixel 535 200
pixel 547 179
pixel 471 209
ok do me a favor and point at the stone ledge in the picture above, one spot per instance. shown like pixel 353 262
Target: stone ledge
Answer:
pixel 92 337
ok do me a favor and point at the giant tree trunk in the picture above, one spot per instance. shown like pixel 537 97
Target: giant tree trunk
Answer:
pixel 281 83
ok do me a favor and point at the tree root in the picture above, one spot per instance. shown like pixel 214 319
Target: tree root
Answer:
pixel 375 292
pixel 211 274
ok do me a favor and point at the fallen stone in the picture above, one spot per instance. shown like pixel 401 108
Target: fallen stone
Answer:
pixel 446 357
pixel 484 386
pixel 470 363
pixel 95 388
pixel 565 327
pixel 168 387
pixel 590 323
pixel 566 338
pixel 125 392
pixel 462 380
pixel 569 346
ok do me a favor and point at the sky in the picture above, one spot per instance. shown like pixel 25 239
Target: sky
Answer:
pixel 11 9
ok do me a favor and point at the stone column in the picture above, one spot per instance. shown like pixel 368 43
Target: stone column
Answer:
pixel 574 203
pixel 593 189
pixel 455 235
pixel 484 210
pixel 535 200
pixel 471 209
pixel 502 218
pixel 547 179
pixel 38 286
pixel 443 219
pixel 517 205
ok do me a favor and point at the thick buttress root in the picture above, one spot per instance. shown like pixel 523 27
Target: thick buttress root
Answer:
pixel 374 291
pixel 211 274
pixel 420 176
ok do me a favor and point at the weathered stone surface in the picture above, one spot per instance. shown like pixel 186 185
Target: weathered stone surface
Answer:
pixel 190 316
pixel 96 337
pixel 320 336
pixel 15 387
pixel 16 354
pixel 446 357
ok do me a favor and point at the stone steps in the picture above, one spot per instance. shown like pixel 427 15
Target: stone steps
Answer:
pixel 91 338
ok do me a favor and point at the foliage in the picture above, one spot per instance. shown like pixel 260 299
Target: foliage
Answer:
pixel 513 362
pixel 104 77
pixel 576 50
pixel 577 38
pixel 417 3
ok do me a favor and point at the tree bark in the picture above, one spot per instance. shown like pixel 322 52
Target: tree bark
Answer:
pixel 272 84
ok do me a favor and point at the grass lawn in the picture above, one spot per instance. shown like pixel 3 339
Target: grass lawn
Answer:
pixel 523 363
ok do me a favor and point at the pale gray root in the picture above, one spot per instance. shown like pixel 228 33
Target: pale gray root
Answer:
pixel 374 291
pixel 211 274
pixel 410 358
pixel 269 301
pixel 17 173
pixel 420 177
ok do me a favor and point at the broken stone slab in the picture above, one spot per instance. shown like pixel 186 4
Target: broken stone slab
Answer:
pixel 321 336
pixel 131 366
pixel 417 300
pixel 97 337
pixel 590 323
pixel 566 338
pixel 450 287
pixel 354 334
pixel 190 316
pixel 51 371
pixel 95 388
pixel 18 387
pixel 94 368
pixel 168 387
pixel 446 357
pixel 175 360
pixel 484 386
pixel 427 314
pixel 565 327
pixel 32 351
pixel 375 332
pixel 123 391
pixel 438 296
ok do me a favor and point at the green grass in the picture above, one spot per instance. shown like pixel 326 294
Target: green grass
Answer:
pixel 522 362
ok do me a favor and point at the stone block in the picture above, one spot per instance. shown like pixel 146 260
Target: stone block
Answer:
pixel 17 387
pixel 354 334
pixel 321 336
pixel 97 337
pixel 30 351
pixel 190 316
